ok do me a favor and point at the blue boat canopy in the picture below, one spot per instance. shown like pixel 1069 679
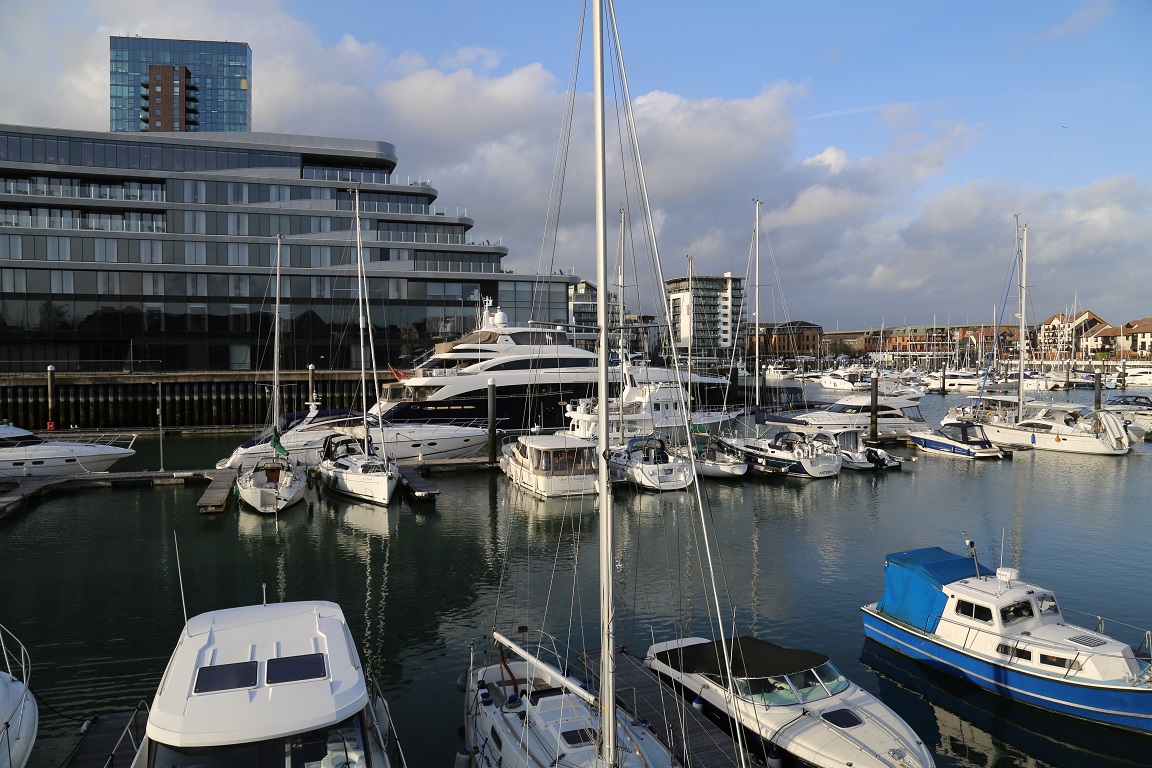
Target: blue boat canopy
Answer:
pixel 914 581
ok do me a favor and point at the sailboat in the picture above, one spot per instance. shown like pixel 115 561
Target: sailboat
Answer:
pixel 522 708
pixel 1013 421
pixel 351 465
pixel 273 483
pixel 785 452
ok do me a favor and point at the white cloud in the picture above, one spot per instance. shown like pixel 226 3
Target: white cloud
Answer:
pixel 898 234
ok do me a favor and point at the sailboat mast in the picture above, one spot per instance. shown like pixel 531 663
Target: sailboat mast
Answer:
pixel 756 309
pixel 360 307
pixel 607 734
pixel 276 347
pixel 1023 318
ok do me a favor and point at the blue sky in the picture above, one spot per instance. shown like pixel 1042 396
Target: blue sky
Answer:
pixel 892 142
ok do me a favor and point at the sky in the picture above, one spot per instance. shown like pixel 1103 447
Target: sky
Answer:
pixel 892 143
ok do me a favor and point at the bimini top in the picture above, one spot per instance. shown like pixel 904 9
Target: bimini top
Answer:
pixel 259 672
pixel 914 581
pixel 751 658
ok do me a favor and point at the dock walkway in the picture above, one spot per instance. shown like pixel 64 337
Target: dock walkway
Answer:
pixel 110 740
pixel 694 740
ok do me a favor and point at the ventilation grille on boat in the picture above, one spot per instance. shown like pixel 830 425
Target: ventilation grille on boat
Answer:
pixel 1091 642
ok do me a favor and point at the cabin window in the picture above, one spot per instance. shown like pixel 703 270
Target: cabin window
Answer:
pixel 973 611
pixel 287 669
pixel 225 677
pixel 1059 661
pixel 1008 650
pixel 764 690
pixel 496 738
pixel 1010 614
pixel 1047 605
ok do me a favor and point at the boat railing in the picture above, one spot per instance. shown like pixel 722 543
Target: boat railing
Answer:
pixel 114 440
pixel 18 665
pixel 133 732
pixel 387 737
pixel 1143 649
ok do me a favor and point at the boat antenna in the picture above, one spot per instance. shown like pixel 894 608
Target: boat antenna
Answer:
pixel 972 552
pixel 180 578
pixel 1003 535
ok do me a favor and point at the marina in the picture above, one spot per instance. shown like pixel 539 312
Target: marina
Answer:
pixel 420 579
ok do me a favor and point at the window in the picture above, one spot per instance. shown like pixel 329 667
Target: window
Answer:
pixel 151 252
pixel 59 249
pixel 1047 605
pixel 13 281
pixel 195 222
pixel 238 286
pixel 225 677
pixel 321 287
pixel 1059 661
pixel 238 224
pixel 195 253
pixel 1010 614
pixel 153 317
pixel 108 283
pixel 196 285
pixel 1019 653
pixel 105 249
pixel 153 284
pixel 971 610
pixel 290 668
pixel 197 318
pixel 237 254
pixel 62 281
pixel 238 319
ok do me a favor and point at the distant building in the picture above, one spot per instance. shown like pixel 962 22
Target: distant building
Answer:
pixel 161 85
pixel 1058 337
pixel 145 251
pixel 707 314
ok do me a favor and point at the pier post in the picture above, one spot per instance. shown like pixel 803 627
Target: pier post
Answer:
pixel 1096 389
pixel 51 397
pixel 311 393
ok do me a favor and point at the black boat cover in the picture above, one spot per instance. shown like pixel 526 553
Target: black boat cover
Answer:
pixel 751 658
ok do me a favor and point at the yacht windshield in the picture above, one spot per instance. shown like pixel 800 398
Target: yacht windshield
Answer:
pixel 341 744
pixel 810 685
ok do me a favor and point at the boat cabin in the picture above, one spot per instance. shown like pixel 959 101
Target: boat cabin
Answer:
pixel 556 455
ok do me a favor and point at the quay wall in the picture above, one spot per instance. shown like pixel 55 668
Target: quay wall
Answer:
pixel 125 401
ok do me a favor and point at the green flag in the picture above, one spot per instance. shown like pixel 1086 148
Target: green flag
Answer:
pixel 276 446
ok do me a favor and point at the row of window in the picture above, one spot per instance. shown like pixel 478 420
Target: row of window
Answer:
pixel 67 218
pixel 135 155
pixel 50 186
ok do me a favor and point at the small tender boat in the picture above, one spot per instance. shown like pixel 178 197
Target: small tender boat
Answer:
pixel 790 699
pixel 272 485
pixel 22 453
pixel 646 463
pixel 268 684
pixel 962 439
pixel 1008 637
pixel 19 715
pixel 551 466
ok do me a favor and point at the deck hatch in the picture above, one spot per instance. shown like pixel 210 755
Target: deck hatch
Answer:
pixel 843 718
pixel 288 669
pixel 225 677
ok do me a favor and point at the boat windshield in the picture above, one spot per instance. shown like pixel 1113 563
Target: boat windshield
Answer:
pixel 799 687
pixel 341 744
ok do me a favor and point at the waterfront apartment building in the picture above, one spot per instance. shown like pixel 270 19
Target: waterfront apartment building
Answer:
pixel 707 314
pixel 179 85
pixel 148 251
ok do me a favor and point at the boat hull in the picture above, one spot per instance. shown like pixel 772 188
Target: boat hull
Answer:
pixel 374 487
pixel 1123 706
pixel 59 460
pixel 1011 437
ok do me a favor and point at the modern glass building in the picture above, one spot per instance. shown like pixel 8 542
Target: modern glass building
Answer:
pixel 157 252
pixel 708 314
pixel 179 85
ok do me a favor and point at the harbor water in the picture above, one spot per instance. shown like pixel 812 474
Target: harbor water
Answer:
pixel 91 581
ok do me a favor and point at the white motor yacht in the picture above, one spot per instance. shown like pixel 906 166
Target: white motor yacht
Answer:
pixel 23 453
pixel 551 466
pixel 19 715
pixel 895 416
pixel 959 439
pixel 790 699
pixel 277 684
pixel 1136 410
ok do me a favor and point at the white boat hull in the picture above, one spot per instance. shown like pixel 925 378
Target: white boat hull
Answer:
pixel 1105 444
pixel 375 487
pixel 267 493
pixel 19 721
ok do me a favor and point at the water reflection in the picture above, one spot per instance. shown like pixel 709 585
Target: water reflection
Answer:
pixel 970 727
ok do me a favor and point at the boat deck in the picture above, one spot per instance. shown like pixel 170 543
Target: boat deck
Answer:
pixel 694 740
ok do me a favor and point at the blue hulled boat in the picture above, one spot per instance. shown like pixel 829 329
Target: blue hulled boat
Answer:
pixel 1008 637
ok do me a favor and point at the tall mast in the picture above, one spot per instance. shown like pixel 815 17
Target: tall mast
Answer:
pixel 276 348
pixel 1023 318
pixel 756 309
pixel 360 307
pixel 607 556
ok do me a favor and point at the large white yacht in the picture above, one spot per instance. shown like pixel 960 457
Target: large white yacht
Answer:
pixel 23 453
pixel 268 685
pixel 534 371
pixel 895 416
